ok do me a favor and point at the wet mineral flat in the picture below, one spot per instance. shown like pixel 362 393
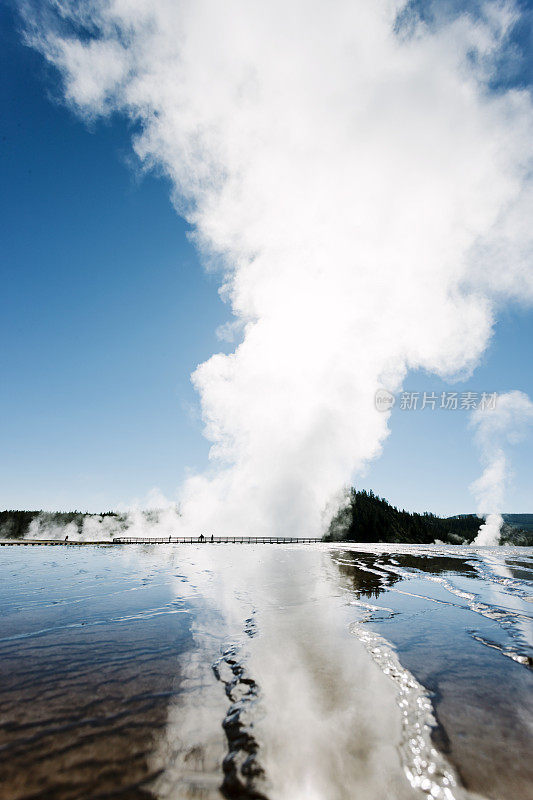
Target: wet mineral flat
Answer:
pixel 320 672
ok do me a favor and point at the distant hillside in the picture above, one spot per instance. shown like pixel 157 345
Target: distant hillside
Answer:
pixel 364 518
pixel 368 518
pixel 522 521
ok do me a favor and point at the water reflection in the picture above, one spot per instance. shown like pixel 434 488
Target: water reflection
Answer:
pixel 451 617
pixel 190 671
pixel 358 573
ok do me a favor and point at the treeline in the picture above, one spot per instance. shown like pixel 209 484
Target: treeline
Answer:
pixel 365 517
pixel 16 524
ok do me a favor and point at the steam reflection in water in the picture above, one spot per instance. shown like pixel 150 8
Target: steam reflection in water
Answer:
pixel 171 672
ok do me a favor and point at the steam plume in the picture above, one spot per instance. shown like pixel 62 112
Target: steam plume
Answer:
pixel 495 429
pixel 356 182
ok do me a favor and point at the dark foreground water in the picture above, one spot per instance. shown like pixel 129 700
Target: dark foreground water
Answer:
pixel 280 672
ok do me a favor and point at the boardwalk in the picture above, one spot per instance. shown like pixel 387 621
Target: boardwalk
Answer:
pixel 167 540
pixel 217 540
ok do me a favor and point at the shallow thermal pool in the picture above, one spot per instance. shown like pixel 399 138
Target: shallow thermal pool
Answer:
pixel 270 671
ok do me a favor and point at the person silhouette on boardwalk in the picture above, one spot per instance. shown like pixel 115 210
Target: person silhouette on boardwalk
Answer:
pixel 66 538
pixel 201 537
pixel 212 538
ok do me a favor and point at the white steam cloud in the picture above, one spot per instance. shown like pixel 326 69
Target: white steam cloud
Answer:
pixel 362 191
pixel 495 429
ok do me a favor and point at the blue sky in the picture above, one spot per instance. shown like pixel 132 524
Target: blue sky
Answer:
pixel 106 310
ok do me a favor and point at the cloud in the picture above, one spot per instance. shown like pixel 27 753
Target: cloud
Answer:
pixel 362 190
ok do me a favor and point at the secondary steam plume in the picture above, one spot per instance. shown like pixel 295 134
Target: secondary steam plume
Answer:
pixel 356 181
pixel 495 429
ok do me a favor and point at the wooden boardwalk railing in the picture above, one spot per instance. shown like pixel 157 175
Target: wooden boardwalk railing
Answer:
pixel 215 540
pixel 167 540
